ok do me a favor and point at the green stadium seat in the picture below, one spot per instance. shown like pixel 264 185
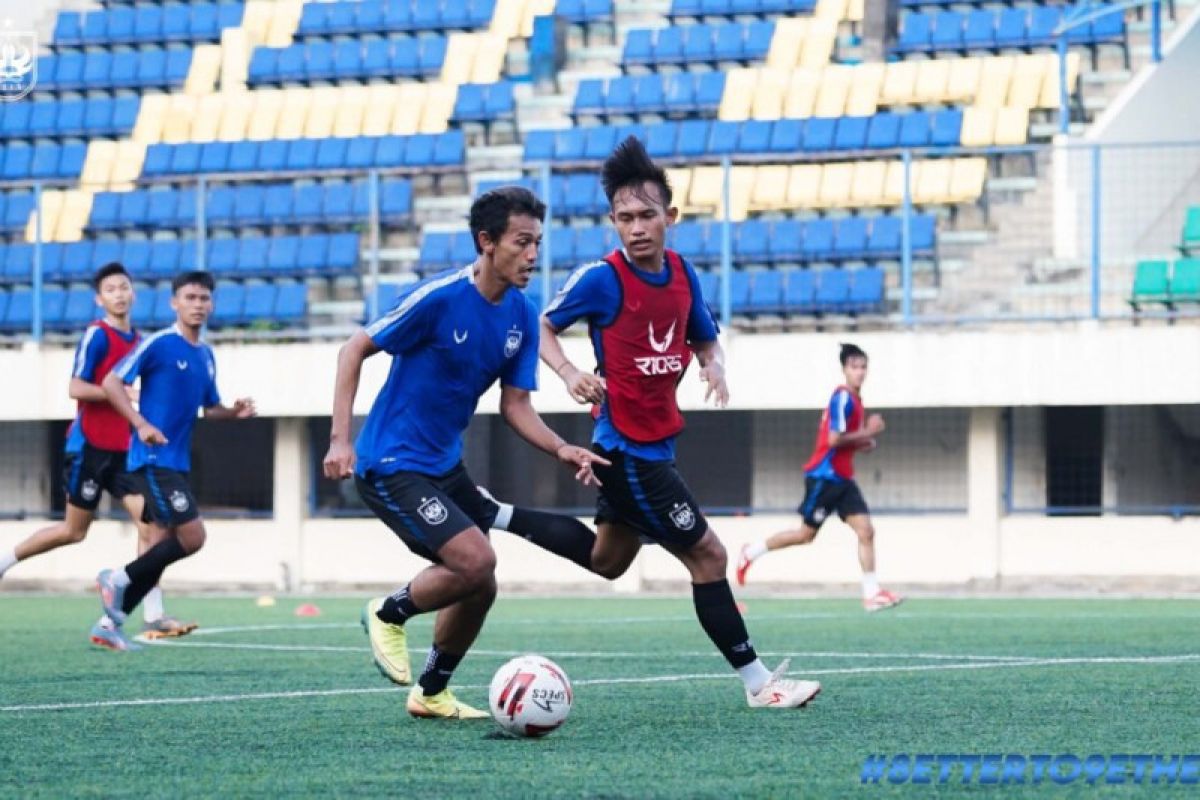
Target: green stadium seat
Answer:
pixel 1190 240
pixel 1185 282
pixel 1150 283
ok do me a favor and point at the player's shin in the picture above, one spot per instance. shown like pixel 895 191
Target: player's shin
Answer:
pixel 717 611
pixel 562 535
pixel 145 571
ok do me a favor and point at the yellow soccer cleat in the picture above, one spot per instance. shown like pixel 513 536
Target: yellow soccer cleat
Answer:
pixel 167 628
pixel 389 644
pixel 443 705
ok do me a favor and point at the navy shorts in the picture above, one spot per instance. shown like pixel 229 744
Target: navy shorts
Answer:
pixel 169 498
pixel 91 471
pixel 823 497
pixel 650 497
pixel 426 511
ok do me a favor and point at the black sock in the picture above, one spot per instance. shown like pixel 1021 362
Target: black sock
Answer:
pixel 398 608
pixel 439 667
pixel 562 535
pixel 721 620
pixel 145 571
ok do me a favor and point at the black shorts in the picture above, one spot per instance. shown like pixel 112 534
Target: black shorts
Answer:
pixel 426 511
pixel 169 498
pixel 650 497
pixel 91 471
pixel 823 497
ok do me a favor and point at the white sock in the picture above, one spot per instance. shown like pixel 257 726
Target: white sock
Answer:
pixel 7 559
pixel 870 585
pixel 152 605
pixel 503 516
pixel 121 577
pixel 754 675
pixel 755 550
pixel 107 623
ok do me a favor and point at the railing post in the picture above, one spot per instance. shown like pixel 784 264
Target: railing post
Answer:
pixel 726 244
pixel 373 235
pixel 1096 184
pixel 1064 97
pixel 906 240
pixel 547 237
pixel 1156 31
pixel 201 222
pixel 36 317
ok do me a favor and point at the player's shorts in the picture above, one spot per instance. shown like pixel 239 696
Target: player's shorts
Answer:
pixel 169 498
pixel 823 497
pixel 91 471
pixel 650 497
pixel 426 511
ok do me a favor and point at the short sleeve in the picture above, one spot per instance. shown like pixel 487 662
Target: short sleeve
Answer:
pixel 139 361
pixel 92 349
pixel 408 323
pixel 212 397
pixel 521 370
pixel 841 406
pixel 591 293
pixel 702 327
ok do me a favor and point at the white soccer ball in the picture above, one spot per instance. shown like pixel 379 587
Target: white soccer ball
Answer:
pixel 530 696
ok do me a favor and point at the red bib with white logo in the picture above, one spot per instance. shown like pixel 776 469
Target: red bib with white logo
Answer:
pixel 645 351
pixel 103 425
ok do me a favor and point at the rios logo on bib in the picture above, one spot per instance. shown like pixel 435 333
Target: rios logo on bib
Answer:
pixel 661 364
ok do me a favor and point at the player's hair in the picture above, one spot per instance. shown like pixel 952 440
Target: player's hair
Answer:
pixel 850 351
pixel 491 210
pixel 630 166
pixel 198 277
pixel 107 271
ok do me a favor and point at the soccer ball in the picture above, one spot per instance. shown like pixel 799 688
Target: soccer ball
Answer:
pixel 530 696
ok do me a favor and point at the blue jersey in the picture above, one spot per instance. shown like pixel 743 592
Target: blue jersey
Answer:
pixel 593 293
pixel 449 345
pixel 89 354
pixel 178 379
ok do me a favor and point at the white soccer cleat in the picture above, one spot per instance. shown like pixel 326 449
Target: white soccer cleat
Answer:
pixel 779 692
pixel 883 599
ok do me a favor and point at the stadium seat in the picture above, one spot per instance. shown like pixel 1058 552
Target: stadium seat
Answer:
pixel 1189 239
pixel 850 238
pixel 866 290
pixel 291 302
pixel 833 291
pixel 766 292
pixel 1151 283
pixel 228 301
pixel 1185 281
pixel 799 295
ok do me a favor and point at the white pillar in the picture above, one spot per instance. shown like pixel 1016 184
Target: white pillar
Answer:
pixel 292 481
pixel 985 475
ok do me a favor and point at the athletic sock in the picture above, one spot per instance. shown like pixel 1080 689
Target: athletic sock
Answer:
pixel 7 559
pixel 152 606
pixel 718 615
pixel 870 585
pixel 754 675
pixel 755 550
pixel 145 571
pixel 559 534
pixel 107 623
pixel 398 608
pixel 439 666
pixel 504 515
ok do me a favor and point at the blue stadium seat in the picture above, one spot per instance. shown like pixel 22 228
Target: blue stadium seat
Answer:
pixel 185 159
pixel 818 240
pixel 337 206
pixel 135 255
pixel 314 254
pixel 222 256
pixel 469 105
pixel 1109 28
pixel 648 95
pixel 710 86
pixel 343 253
pixel 395 199
pixel 77 261
pixel 277 203
pixel 979 30
pixel 44 163
pixel 104 211
pixel 54 302
pixel 417 150
pixel 850 240
pixel 620 95
pixel 480 12
pixel 283 255
pixel 562 246
pixel 599 142
pixel 248 205
pixel 313 19
pixel 787 136
pixel 68 70
pixel 947 128
pixel 687 239
pixel 134 209
pixel 264 64
pixel 462 249
pixel 95 28
pixel 758 40
pixel 426 16
pixel 885 238
pixel 97 65
pixel 693 138
pixel 1011 27
pixel 377 58
pixel 833 290
pixel 915 129
pixel 17 210
pixel 710 287
pixel 539 145
pixel 71 158
pixel 301 154
pixel 786 242
pixel 15 121
pixel 80 308
pixel 291 302
pixel 883 131
pixel 668 46
pixel 306 205
pixel 593 242
pixel 766 292
pixel 435 251
pixel 331 153
pixel 799 293
pixel 179 62
pixel 360 152
pixel 679 94
pixel 639 47
pixel 818 134
pixel 947 31
pixel 318 61
pixel 739 291
pixel 754 136
pixel 722 137
pixel 386 295
pixel 228 300
pixel 124 115
pixel 252 255
pixel 589 98
pixel 18 263
pixel 866 290
pixel 68 28
pixel 124 69
pixel 1043 20
pixel 753 241
pixel 698 44
pixel 42 118
pixel 176 23
pixel 243 156
pixel 431 55
pixel 915 33
pixel 120 25
pixel 922 234
pixel 851 133
pixel 152 68
pixel 18 316
pixel 52 261
pixel 347 57
pixel 569 145
pixel 404 60
pixel 147 23
pixel 450 149
pixel 164 257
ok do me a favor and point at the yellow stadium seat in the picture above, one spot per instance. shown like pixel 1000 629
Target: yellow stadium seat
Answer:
pixel 235 59
pixel 293 114
pixel 205 69
pixel 706 188
pixel 933 77
pixel 855 10
pixel 770 188
pixel 127 162
pixel 893 182
pixel 410 101
pixel 741 187
pixel 933 182
pixel 348 120
pixel 256 20
pixel 1026 86
pixel 285 19
pixel 836 179
pixel 177 126
pixel 1050 91
pixel 73 217
pixel 801 96
pixel 818 43
pixel 978 126
pixel 899 82
pixel 1012 125
pixel 209 112
pixel 867 185
pixel 489 59
pixel 832 93
pixel 865 84
pixel 738 98
pixel 804 185
pixel 460 57
pixel 680 181
pixel 325 101
pixel 236 119
pixel 994 81
pixel 381 106
pixel 964 80
pixel 831 10
pixel 769 93
pixel 47 215
pixel 264 114
pixel 787 42
pixel 507 18
pixel 98 163
pixel 439 105
pixel 151 115
pixel 966 179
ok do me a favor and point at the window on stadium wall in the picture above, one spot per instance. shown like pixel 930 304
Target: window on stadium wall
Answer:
pixel 1084 460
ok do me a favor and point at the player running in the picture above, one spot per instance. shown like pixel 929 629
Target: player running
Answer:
pixel 98 442
pixel 179 376
pixel 829 485
pixel 451 337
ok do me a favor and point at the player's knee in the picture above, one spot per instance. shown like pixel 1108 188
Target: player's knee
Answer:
pixel 479 573
pixel 72 534
pixel 192 539
pixel 866 534
pixel 610 570
pixel 806 535
pixel 712 555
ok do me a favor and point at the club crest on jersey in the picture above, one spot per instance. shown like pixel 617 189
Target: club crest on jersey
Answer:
pixel 89 490
pixel 819 515
pixel 512 343
pixel 179 501
pixel 433 512
pixel 682 516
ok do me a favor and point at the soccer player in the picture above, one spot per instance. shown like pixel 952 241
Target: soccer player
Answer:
pixel 451 337
pixel 178 376
pixel 829 485
pixel 646 319
pixel 98 441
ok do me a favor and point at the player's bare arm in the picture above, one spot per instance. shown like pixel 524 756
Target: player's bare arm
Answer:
pixel 86 391
pixel 518 411
pixel 584 387
pixel 242 408
pixel 712 371
pixel 114 392
pixel 339 460
pixel 860 438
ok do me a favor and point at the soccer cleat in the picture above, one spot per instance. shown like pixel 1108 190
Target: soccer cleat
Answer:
pixel 779 692
pixel 882 599
pixel 389 644
pixel 112 639
pixel 443 705
pixel 111 596
pixel 743 565
pixel 167 628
